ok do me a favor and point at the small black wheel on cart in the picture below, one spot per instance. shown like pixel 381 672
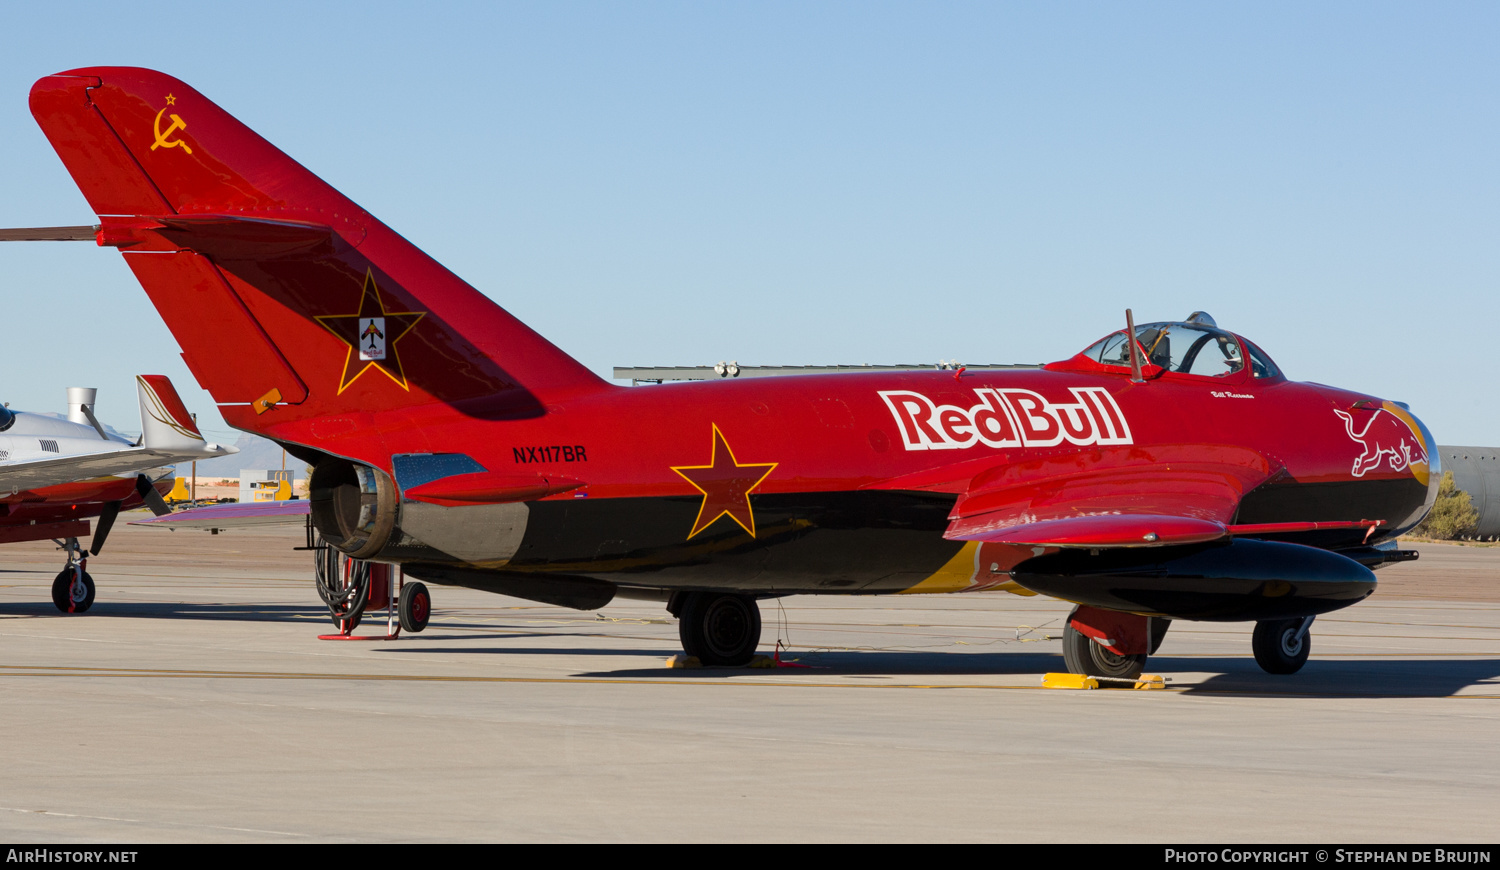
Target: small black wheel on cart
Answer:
pixel 414 607
pixel 73 591
pixel 1282 645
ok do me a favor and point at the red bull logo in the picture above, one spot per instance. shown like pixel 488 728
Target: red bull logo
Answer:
pixel 1008 418
pixel 1390 437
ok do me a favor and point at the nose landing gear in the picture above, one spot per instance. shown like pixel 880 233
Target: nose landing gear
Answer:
pixel 73 589
pixel 1282 645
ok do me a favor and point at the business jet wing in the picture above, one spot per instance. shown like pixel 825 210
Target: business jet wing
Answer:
pixel 169 436
pixel 223 517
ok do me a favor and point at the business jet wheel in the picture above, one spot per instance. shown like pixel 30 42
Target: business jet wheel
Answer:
pixel 1083 655
pixel 719 628
pixel 71 597
pixel 1278 648
pixel 414 607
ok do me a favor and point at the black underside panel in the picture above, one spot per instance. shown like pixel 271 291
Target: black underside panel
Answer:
pixel 803 542
pixel 883 541
pixel 1340 501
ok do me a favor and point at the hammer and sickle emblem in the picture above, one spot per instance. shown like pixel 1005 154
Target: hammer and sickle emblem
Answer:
pixel 161 135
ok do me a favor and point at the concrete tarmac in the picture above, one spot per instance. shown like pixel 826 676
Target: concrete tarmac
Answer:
pixel 194 702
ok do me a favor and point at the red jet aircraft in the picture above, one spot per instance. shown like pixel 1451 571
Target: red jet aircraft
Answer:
pixel 1178 475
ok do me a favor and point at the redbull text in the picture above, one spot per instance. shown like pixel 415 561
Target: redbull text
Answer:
pixel 1008 418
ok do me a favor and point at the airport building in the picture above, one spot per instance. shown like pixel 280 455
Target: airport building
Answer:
pixel 261 484
pixel 1476 471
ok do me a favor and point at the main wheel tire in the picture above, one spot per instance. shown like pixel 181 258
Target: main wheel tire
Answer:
pixel 719 628
pixel 1278 649
pixel 70 598
pixel 414 607
pixel 1083 655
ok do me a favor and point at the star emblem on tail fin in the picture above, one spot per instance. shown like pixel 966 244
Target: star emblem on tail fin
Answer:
pixel 371 334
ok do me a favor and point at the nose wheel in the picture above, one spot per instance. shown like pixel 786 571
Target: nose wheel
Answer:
pixel 1281 646
pixel 73 589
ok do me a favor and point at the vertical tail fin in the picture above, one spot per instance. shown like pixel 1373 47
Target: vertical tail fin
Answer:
pixel 290 302
pixel 165 422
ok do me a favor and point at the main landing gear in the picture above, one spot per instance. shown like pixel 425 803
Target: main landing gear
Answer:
pixel 73 590
pixel 718 628
pixel 1106 643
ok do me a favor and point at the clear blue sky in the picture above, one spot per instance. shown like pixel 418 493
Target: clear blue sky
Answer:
pixel 683 183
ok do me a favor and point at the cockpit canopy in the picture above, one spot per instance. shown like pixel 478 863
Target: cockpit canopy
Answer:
pixel 1196 346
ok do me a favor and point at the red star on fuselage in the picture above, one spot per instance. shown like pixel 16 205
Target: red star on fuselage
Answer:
pixel 726 486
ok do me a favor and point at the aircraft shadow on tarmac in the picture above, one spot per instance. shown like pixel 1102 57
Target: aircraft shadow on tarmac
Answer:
pixel 1371 678
pixel 1333 679
pixel 873 665
pixel 1375 678
pixel 898 664
pixel 662 654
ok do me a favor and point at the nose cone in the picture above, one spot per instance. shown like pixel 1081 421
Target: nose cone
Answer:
pixel 1411 448
pixel 1394 468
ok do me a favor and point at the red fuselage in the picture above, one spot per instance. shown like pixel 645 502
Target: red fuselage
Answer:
pixel 846 482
